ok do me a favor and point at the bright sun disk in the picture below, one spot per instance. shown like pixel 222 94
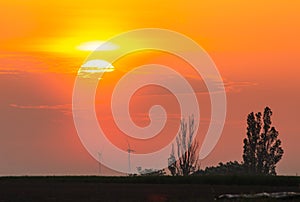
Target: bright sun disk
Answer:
pixel 97 46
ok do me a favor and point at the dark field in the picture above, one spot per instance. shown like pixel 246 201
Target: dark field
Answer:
pixel 92 188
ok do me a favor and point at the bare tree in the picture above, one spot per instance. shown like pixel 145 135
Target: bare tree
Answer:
pixel 187 150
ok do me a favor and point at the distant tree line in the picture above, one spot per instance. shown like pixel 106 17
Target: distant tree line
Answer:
pixel 150 172
pixel 229 168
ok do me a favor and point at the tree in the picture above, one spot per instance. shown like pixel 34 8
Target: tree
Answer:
pixel 262 148
pixel 150 172
pixel 228 168
pixel 187 150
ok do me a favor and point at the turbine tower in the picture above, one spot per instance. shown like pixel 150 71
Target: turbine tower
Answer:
pixel 129 150
pixel 99 161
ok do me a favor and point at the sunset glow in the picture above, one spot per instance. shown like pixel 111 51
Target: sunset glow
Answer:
pixel 97 46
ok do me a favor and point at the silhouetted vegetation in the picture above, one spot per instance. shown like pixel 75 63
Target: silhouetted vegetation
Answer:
pixel 262 150
pixel 229 168
pixel 150 172
pixel 187 154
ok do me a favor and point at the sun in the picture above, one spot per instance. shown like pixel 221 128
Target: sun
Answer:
pixel 95 67
pixel 75 46
pixel 97 46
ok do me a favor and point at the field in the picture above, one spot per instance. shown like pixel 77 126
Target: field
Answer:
pixel 94 188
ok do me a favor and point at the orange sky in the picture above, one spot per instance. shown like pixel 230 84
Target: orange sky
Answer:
pixel 254 44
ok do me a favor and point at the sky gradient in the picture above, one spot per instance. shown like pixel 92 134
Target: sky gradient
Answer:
pixel 254 44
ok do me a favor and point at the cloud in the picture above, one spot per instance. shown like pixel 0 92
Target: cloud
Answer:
pixel 64 108
pixel 237 86
pixel 200 88
pixel 7 73
pixel 10 72
pixel 20 63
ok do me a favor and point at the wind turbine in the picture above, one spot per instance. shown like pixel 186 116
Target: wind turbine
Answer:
pixel 99 159
pixel 129 150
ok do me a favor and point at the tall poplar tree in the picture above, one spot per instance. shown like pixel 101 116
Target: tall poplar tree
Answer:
pixel 262 148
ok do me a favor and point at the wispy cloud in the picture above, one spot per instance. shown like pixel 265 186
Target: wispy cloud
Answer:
pixel 237 86
pixel 64 108
pixel 6 71
pixel 20 63
pixel 200 88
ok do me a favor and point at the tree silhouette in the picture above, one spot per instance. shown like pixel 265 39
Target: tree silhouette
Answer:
pixel 186 150
pixel 228 168
pixel 150 172
pixel 262 148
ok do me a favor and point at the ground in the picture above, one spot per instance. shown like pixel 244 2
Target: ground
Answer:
pixel 136 188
